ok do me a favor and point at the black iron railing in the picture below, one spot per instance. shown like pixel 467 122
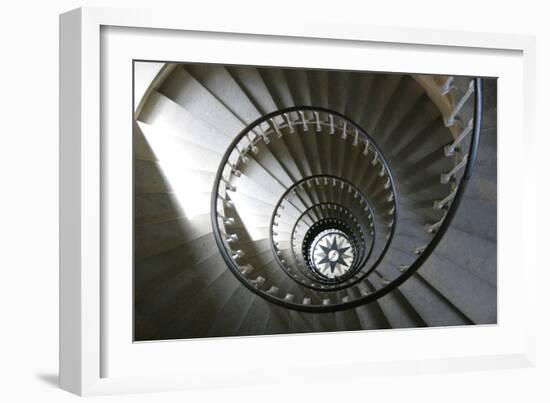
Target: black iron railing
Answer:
pixel 324 296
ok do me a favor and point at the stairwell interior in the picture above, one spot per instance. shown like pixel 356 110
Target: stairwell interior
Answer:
pixel 276 200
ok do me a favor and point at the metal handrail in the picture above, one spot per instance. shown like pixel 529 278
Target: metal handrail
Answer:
pixel 406 273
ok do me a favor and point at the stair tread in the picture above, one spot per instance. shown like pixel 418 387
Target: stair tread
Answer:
pixel 220 83
pixel 253 85
pixel 161 207
pixel 153 270
pixel 182 88
pixel 174 120
pixel 475 298
pixel 192 317
pixel 176 152
pixel 149 177
pixel 430 305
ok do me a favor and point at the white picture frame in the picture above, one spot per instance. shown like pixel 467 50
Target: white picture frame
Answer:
pixel 96 355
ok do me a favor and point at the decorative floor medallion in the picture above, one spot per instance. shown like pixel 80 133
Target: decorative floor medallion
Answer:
pixel 332 254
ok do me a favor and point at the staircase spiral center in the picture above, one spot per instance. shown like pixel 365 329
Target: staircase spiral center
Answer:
pixel 324 232
pixel 332 254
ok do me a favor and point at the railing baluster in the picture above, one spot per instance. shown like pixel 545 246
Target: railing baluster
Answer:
pixel 289 121
pixel 258 282
pixel 452 116
pixel 445 178
pixel 447 86
pixel 246 270
pixel 402 268
pixel 252 144
pixel 345 130
pixel 227 220
pixel 317 122
pixel 439 204
pixel 234 170
pixel 232 238
pixel 375 159
pixel 276 127
pixel 431 228
pixel 366 149
pixel 419 250
pixel 304 124
pixel 242 155
pixel 450 149
pixel 264 135
pixel 227 203
pixel 229 187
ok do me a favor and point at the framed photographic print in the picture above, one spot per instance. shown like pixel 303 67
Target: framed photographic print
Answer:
pixel 260 195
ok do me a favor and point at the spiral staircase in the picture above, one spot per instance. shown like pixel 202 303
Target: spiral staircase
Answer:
pixel 276 201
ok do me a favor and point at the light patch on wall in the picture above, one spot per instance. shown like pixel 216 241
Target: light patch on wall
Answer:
pixel 182 173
